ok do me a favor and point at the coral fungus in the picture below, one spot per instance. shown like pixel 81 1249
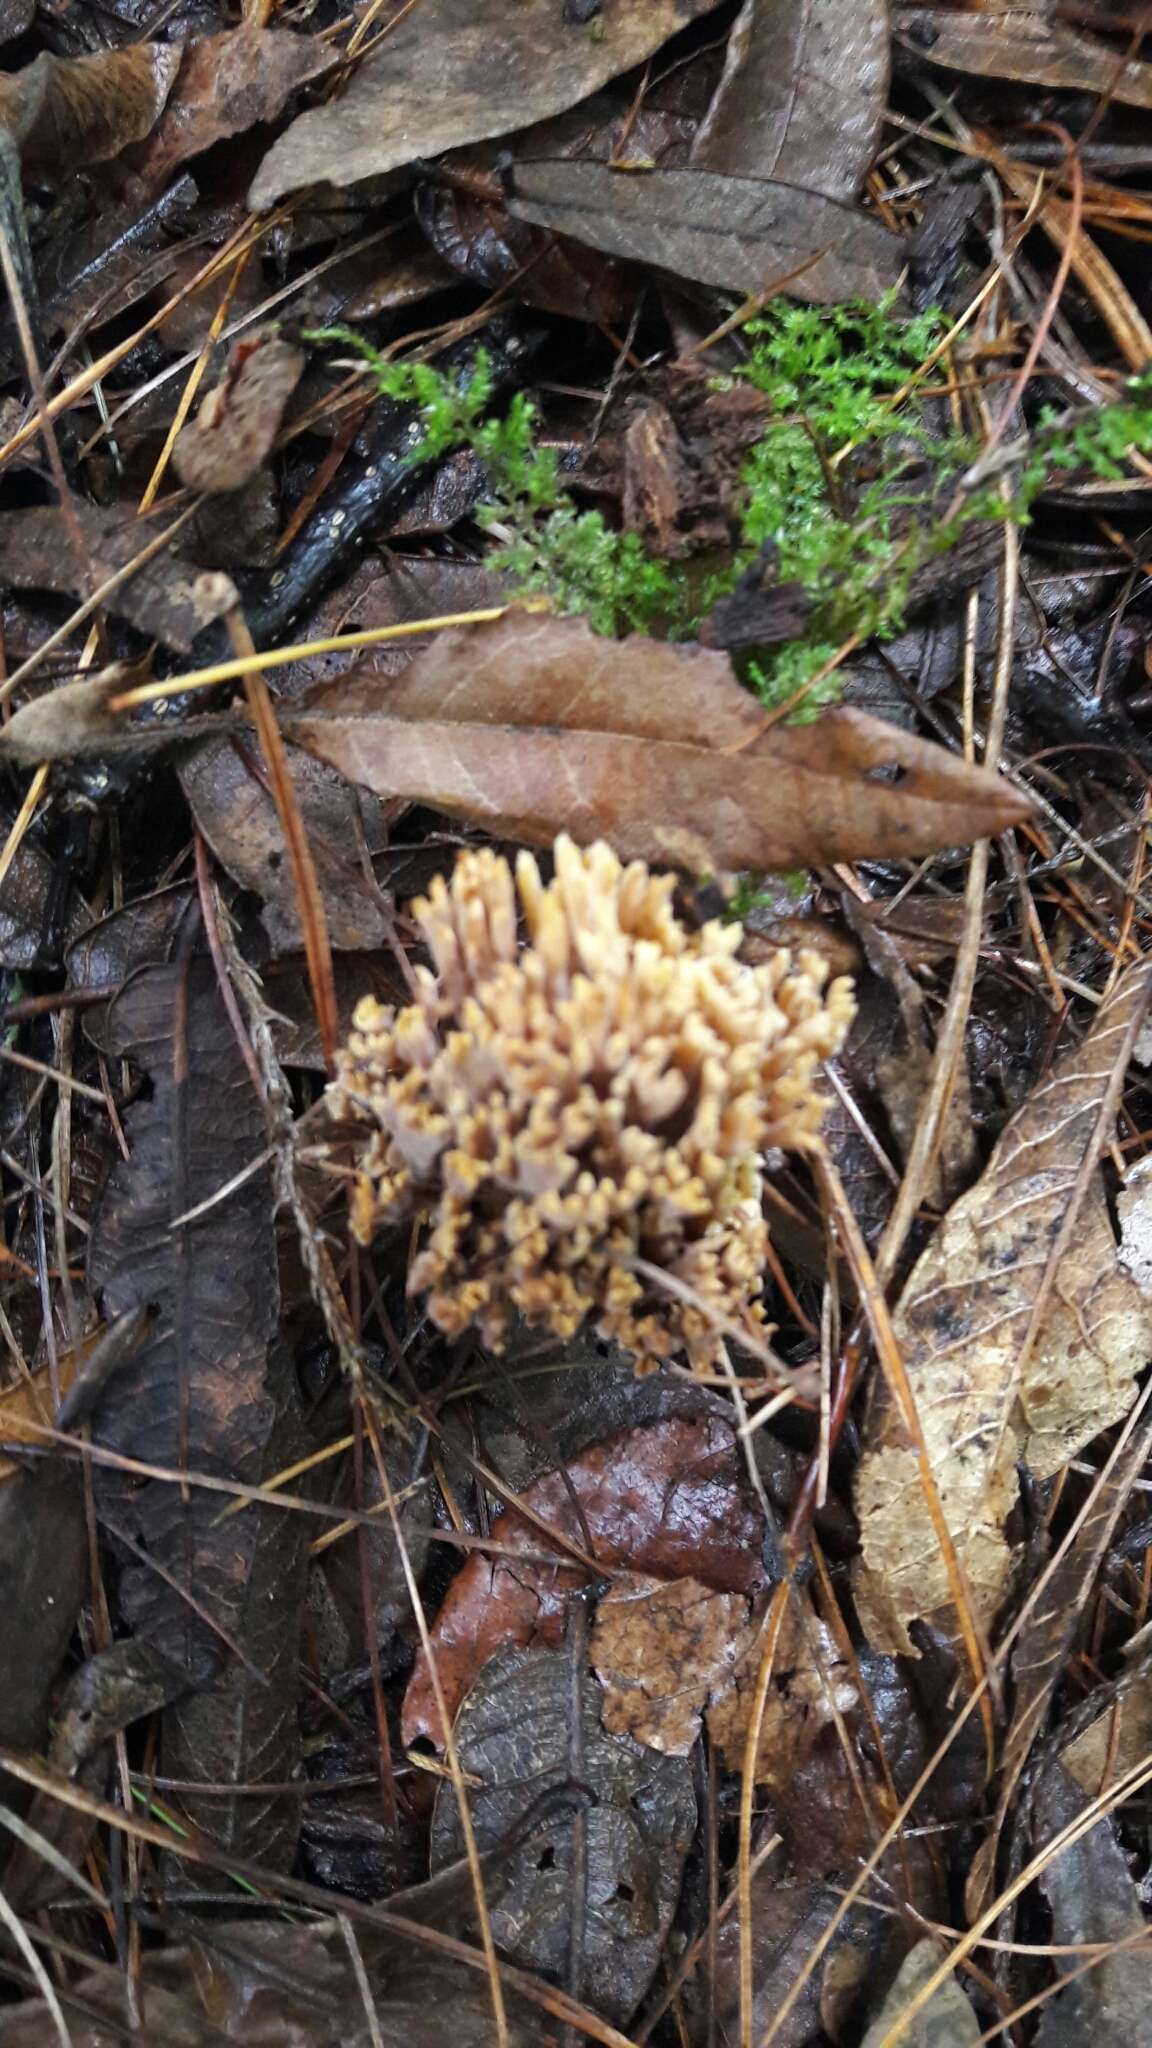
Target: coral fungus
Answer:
pixel 585 1113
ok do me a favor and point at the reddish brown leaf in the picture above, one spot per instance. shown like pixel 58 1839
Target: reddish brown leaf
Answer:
pixel 803 93
pixel 533 726
pixel 458 71
pixel 667 1501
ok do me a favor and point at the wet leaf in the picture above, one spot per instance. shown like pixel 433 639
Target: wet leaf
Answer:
pixel 43 1575
pixel 235 428
pixel 1026 44
pixel 458 71
pixel 1092 1898
pixel 742 234
pixel 534 726
pixel 186 1225
pixel 660 1648
pixel 65 113
pixel 168 598
pixel 226 785
pixel 668 1500
pixel 803 94
pixel 961 1326
pixel 282 1987
pixel 514 1734
pixel 946 2021
pixel 225 85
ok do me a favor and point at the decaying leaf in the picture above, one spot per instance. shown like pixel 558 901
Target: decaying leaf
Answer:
pixel 168 598
pixel 660 1647
pixel 1026 43
pixel 803 94
pixel 946 2021
pixel 67 112
pixel 1093 1898
pixel 224 86
pixel 458 71
pixel 536 725
pixel 226 784
pixel 514 1734
pixel 233 432
pixel 668 1500
pixel 962 1325
pixel 742 234
pixel 186 1225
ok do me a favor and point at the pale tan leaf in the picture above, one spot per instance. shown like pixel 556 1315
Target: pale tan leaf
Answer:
pixel 535 725
pixel 64 112
pixel 990 1390
pixel 1023 44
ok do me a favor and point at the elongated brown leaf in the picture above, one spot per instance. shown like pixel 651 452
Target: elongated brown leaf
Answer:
pixel 962 1326
pixel 740 233
pixel 1033 47
pixel 534 726
pixel 803 94
pixel 186 1224
pixel 458 71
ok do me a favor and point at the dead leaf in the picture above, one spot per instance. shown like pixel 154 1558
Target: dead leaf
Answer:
pixel 514 1735
pixel 946 2021
pixel 1118 1740
pixel 742 234
pixel 65 113
pixel 660 1648
pixel 458 71
pixel 535 726
pixel 225 85
pixel 1093 1898
pixel 668 1500
pixel 186 1224
pixel 30 1402
pixel 961 1324
pixel 803 94
pixel 1023 43
pixel 235 428
pixel 168 598
pixel 226 785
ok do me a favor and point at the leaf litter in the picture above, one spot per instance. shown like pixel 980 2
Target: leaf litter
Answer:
pixel 736 457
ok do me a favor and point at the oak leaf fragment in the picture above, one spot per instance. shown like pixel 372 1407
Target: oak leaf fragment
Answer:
pixel 985 1403
pixel 660 1649
pixel 534 725
pixel 223 447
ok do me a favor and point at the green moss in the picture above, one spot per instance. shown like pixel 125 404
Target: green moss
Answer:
pixel 847 481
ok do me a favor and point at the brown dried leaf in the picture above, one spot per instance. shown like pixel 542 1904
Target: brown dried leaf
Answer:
pixel 668 1500
pixel 65 113
pixel 457 71
pixel 233 432
pixel 961 1326
pixel 660 1648
pixel 168 598
pixel 226 785
pixel 225 85
pixel 742 234
pixel 536 725
pixel 1019 43
pixel 803 94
